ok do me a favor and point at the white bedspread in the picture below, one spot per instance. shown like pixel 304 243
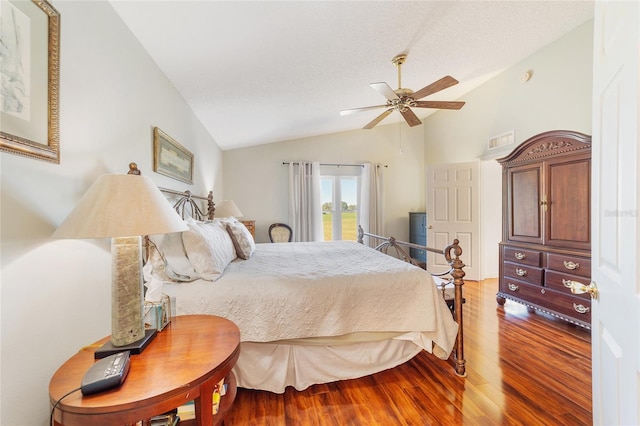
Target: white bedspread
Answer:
pixel 301 290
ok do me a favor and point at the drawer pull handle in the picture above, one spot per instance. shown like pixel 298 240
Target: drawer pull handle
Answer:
pixel 513 287
pixel 521 272
pixel 567 283
pixel 520 256
pixel 570 265
pixel 581 309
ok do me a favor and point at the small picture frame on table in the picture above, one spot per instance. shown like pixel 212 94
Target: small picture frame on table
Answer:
pixel 170 158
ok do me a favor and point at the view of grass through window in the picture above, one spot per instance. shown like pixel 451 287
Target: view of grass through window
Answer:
pixel 349 226
pixel 339 200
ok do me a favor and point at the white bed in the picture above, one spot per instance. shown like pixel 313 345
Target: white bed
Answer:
pixel 313 313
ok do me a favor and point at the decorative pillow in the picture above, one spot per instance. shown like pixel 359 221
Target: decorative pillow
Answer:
pixel 241 237
pixel 171 257
pixel 209 248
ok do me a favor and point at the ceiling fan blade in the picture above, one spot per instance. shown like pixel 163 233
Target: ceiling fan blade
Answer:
pixel 378 119
pixel 411 118
pixel 440 104
pixel 354 110
pixel 385 90
pixel 434 87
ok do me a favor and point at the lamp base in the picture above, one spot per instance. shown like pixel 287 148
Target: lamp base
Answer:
pixel 135 347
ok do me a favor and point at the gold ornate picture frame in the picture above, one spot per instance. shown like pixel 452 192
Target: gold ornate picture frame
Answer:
pixel 170 158
pixel 29 107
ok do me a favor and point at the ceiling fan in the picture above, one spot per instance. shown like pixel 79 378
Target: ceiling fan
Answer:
pixel 403 99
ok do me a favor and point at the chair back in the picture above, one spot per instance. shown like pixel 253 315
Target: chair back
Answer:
pixel 280 233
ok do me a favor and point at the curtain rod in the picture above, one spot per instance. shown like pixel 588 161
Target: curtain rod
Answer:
pixel 286 163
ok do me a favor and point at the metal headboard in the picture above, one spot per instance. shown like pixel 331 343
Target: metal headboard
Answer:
pixel 187 206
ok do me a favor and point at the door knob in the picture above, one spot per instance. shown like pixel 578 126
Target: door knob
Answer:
pixel 543 203
pixel 579 288
pixel 430 227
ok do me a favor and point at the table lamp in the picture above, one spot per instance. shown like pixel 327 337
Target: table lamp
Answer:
pixel 226 208
pixel 123 208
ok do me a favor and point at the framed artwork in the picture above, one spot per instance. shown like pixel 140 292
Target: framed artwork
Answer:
pixel 29 87
pixel 170 158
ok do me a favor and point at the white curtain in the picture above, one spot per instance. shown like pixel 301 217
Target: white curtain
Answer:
pixel 371 205
pixel 305 205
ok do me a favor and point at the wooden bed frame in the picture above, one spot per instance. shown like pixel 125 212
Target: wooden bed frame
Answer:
pixel 187 201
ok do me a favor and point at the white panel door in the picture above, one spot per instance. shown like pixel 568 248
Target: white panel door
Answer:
pixel 616 312
pixel 453 212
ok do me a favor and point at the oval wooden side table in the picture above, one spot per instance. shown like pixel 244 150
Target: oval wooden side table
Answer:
pixel 183 363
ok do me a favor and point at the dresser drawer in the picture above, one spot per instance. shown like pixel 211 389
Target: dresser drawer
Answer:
pixel 577 307
pixel 561 304
pixel 525 291
pixel 569 264
pixel 530 274
pixel 522 256
pixel 558 281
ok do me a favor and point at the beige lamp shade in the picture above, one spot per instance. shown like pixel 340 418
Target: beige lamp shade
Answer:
pixel 120 206
pixel 226 208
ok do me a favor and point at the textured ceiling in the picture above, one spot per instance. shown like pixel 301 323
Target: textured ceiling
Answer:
pixel 266 71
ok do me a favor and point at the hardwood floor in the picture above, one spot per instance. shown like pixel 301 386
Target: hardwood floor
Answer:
pixel 523 369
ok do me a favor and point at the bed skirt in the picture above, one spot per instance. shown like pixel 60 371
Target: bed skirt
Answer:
pixel 274 366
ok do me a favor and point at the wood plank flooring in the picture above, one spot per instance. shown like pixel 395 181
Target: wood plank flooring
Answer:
pixel 523 369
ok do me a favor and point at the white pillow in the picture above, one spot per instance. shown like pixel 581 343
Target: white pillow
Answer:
pixel 171 257
pixel 241 237
pixel 209 248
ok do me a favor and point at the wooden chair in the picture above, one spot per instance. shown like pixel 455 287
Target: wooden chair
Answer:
pixel 280 233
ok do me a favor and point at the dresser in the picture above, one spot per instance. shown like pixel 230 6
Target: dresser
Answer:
pixel 418 235
pixel 546 235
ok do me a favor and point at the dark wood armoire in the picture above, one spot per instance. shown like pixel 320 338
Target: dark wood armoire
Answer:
pixel 546 235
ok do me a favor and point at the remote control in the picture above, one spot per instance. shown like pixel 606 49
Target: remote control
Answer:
pixel 106 373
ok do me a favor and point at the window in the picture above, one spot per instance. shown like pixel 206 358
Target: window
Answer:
pixel 340 188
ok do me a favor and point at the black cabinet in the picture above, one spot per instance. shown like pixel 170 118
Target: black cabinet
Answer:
pixel 418 234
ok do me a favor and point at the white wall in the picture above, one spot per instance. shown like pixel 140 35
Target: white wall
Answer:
pixel 558 96
pixel 257 181
pixel 490 217
pixel 55 295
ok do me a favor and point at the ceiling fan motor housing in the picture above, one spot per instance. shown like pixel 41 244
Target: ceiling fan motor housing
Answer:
pixel 402 103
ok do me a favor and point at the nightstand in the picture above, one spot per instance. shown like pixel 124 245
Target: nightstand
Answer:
pixel 251 226
pixel 195 352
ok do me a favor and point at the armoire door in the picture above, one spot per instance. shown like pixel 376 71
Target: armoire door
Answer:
pixel 568 190
pixel 524 210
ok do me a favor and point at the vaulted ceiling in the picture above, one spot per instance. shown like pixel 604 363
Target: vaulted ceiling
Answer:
pixel 256 72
